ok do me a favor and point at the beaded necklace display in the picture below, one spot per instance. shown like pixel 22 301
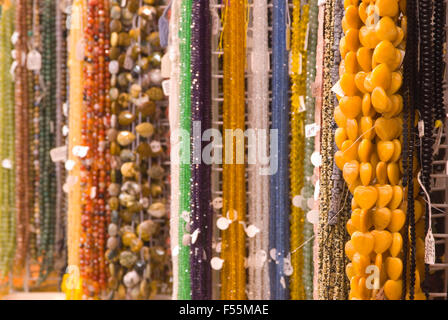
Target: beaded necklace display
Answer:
pixel 7 171
pixel 185 172
pixel 233 275
pixel 75 64
pixel 201 210
pixel 279 185
pixel 174 112
pixel 258 184
pixel 297 151
pixel 22 199
pixel 95 164
pixel 309 180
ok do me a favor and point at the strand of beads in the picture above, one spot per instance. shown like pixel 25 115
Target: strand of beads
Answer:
pixel 279 184
pixel 371 69
pixel 174 113
pixel 258 184
pixel 72 184
pixel 47 183
pixel 185 172
pixel 34 130
pixel 95 164
pixel 297 153
pixel 201 210
pixel 60 133
pixel 21 134
pixel 309 180
pixel 233 277
pixel 138 212
pixel 7 190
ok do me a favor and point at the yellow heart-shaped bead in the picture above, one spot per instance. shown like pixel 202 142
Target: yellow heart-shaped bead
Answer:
pixel 385 150
pixel 397 197
pixel 386 29
pixel 381 77
pixel 352 129
pixel 365 220
pixel 365 150
pixel 343 47
pixel 349 270
pixel 364 58
pixel 368 37
pixel 350 106
pixel 350 250
pixel 395 83
pixel 387 129
pixel 368 85
pixel 420 249
pixel 397 220
pixel 385 194
pixel 352 17
pixel 393 173
pixel 397 106
pixel 356 218
pixel 362 12
pixel 352 186
pixel 380 101
pixel 354 205
pixel 384 53
pixel 394 267
pixel 354 287
pixel 420 228
pixel 397 150
pixel 363 242
pixel 347 81
pixel 381 172
pixel 386 8
pixel 399 38
pixel 383 240
pixel 352 39
pixel 366 126
pixel 364 293
pixel 351 65
pixel 339 117
pixel 365 173
pixel 365 196
pixel 339 159
pixel 350 227
pixel 339 137
pixel 393 289
pixel 350 150
pixel 381 218
pixel 360 263
pixel 397 244
pixel 359 81
pixel 350 172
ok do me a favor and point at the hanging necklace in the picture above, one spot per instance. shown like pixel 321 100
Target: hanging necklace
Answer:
pixel 298 53
pixel 185 172
pixel 95 165
pixel 279 185
pixel 75 64
pixel 308 190
pixel 258 184
pixel 174 112
pixel 21 134
pixel 233 274
pixel 201 211
pixel 47 183
pixel 7 190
